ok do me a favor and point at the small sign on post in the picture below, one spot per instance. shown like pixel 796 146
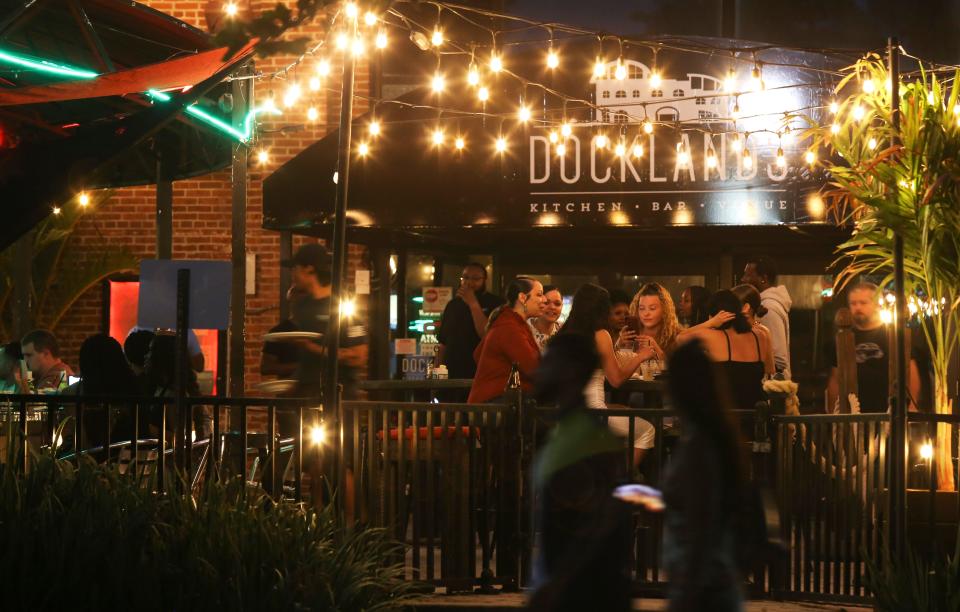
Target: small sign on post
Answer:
pixel 435 299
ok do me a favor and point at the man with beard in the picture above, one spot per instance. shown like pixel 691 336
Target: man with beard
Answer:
pixel 872 352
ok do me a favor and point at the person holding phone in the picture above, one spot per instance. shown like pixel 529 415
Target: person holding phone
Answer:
pixel 464 320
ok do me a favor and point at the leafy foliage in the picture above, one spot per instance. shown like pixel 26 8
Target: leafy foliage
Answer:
pixel 914 585
pixel 86 537
pixel 61 271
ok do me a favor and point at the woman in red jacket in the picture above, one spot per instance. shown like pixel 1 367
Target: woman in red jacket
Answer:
pixel 508 341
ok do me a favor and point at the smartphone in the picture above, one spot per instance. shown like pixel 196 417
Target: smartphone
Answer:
pixel 634 323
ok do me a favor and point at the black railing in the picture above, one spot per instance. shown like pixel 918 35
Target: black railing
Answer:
pixel 195 443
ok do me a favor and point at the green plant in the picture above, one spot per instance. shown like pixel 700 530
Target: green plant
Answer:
pixel 86 537
pixel 911 584
pixel 905 181
pixel 61 271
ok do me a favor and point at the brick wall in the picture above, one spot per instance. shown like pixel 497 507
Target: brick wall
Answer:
pixel 202 205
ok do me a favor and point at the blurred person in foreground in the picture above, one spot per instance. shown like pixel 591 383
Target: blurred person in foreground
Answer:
pixel 11 379
pixel 583 561
pixel 703 489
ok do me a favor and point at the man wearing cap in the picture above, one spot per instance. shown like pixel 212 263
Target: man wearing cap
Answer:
pixel 311 312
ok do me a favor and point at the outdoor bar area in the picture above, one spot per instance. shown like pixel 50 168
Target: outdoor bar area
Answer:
pixel 528 310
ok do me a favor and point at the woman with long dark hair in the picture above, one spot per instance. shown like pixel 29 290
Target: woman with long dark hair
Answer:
pixel 738 350
pixel 692 307
pixel 589 316
pixel 703 489
pixel 508 341
pixel 753 309
pixel 105 373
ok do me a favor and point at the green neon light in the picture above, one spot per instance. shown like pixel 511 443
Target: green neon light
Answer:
pixel 46 66
pixel 203 115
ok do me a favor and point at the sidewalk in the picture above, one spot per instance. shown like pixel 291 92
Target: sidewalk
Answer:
pixel 515 601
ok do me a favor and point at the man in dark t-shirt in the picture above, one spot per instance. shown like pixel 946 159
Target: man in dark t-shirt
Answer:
pixel 872 353
pixel 464 320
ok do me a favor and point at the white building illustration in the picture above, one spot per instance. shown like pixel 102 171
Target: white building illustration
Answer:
pixel 691 99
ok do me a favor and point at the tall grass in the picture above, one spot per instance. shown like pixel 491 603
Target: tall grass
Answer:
pixel 86 537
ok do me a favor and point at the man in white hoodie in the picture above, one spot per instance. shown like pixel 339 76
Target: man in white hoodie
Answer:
pixel 761 272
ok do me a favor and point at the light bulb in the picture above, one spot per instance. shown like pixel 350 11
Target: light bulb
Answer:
pixel 318 435
pixel 501 144
pixel 859 112
pixel 484 94
pixel 314 83
pixel 553 60
pixel 747 159
pixel 341 41
pixel 381 41
pixel 683 157
pixel 83 198
pixel 473 76
pixel 756 79
pixel 781 159
pixel 872 144
pixel 736 111
pixel 835 128
pixel 926 451
pixel 230 9
pixel 554 137
pixel 263 157
pixel 357 48
pixel 312 113
pixel 647 127
pixel 523 115
pixel 869 86
pixel 601 141
pixel 956 109
pixel 292 95
pixel 362 149
pixel 620 72
pixel 459 143
pixel 437 137
pixel 638 150
pixel 351 10
pixel 834 108
pixel 655 79
pixel 437 38
pixel 323 68
pixel 737 144
pixel 374 128
pixel 561 149
pixel 55 210
pixel 620 150
pixel 810 157
pixel 711 160
pixel 566 130
pixel 496 64
pixel 730 81
pixel 370 18
pixel 599 68
pixel 786 135
pixel 437 83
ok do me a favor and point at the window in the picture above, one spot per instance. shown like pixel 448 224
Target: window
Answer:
pixel 715 101
pixel 634 71
pixel 710 85
pixel 667 114
pixel 620 117
pixel 696 82
pixel 677 93
pixel 605 94
pixel 636 93
pixel 701 101
pixel 621 94
pixel 656 93
pixel 605 117
pixel 706 114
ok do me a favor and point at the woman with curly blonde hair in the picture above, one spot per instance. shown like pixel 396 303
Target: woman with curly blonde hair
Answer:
pixel 653 307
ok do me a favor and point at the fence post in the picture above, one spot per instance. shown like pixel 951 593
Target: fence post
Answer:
pixel 508 524
pixel 846 360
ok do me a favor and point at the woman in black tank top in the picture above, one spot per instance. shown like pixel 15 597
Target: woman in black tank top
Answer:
pixel 745 378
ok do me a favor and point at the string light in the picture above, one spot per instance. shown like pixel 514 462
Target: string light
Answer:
pixel 566 130
pixel 810 157
pixel 655 79
pixel 473 75
pixel 638 150
pixel 869 86
pixel 437 137
pixel 930 98
pixel 437 83
pixel 231 9
pixel 374 128
pixel 683 156
pixel 370 18
pixel 781 158
pixel 786 135
pixel 620 72
pixel 756 79
pixel 496 64
pixel 362 149
pixel 351 10
pixel 834 107
pixel 437 38
pixel 484 94
pixel 314 83
pixel 835 128
pixel 735 114
pixel 357 48
pixel 730 81
pixel 501 144
pixel 459 143
pixel 747 159
pixel 599 68
pixel 620 150
pixel 859 113
pixel 737 144
pixel 647 127
pixel 711 160
pixel 523 115
pixel 83 199
pixel 561 149
pixel 263 157
pixel 55 210
pixel 381 40
pixel 601 141
pixel 323 68
pixel 554 137
pixel 553 60
pixel 872 144
pixel 341 41
pixel 312 113
pixel 292 95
